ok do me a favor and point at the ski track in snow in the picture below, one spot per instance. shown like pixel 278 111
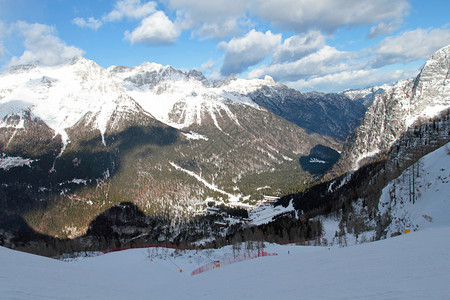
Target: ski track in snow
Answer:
pixel 232 198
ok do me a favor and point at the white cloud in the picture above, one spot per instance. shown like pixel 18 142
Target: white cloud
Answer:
pixel 220 30
pixel 209 11
pixel 156 29
pixel 218 19
pixel 132 9
pixel 299 46
pixel 295 15
pixel 222 19
pixel 210 64
pixel 410 46
pixel 43 46
pixel 325 61
pixel 350 79
pixel 329 69
pixel 210 69
pixel 383 29
pixel 241 53
pixel 89 23
pixel 328 15
pixel 334 81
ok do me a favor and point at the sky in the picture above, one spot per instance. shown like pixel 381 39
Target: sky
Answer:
pixel 320 45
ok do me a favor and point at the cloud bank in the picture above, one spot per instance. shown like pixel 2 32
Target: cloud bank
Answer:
pixel 241 53
pixel 42 45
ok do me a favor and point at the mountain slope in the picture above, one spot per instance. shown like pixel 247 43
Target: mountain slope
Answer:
pixel 359 205
pixel 166 140
pixel 227 130
pixel 365 96
pixel 63 96
pixel 333 115
pixel 177 98
pixel 393 111
pixel 420 197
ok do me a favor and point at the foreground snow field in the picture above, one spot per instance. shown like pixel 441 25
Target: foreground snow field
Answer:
pixel 412 266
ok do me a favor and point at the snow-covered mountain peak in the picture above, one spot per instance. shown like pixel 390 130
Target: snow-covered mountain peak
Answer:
pixel 247 86
pixel 400 106
pixel 15 69
pixel 123 72
pixel 176 97
pixel 439 60
pixel 64 94
pixel 431 91
pixel 366 95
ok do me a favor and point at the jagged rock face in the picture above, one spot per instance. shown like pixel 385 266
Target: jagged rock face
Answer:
pixel 22 129
pixel 431 88
pixel 395 110
pixel 333 115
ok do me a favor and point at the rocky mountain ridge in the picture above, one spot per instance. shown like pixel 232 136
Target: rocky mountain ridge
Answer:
pixel 333 115
pixel 400 106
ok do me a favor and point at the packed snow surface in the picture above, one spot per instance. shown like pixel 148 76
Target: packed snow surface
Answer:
pixel 412 266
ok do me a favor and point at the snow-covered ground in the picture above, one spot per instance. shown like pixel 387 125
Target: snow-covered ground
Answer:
pixel 232 198
pixel 412 266
pixel 420 197
pixel 431 205
pixel 8 162
pixel 266 212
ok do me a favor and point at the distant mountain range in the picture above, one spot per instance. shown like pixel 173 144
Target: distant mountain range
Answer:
pixel 77 139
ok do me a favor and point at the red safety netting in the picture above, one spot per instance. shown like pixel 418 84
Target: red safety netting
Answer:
pixel 231 260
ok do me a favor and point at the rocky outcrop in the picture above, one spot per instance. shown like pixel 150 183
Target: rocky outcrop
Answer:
pixel 395 110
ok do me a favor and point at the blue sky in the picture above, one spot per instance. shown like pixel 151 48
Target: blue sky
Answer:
pixel 324 45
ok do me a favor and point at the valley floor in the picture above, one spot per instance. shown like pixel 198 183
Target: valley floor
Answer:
pixel 411 266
